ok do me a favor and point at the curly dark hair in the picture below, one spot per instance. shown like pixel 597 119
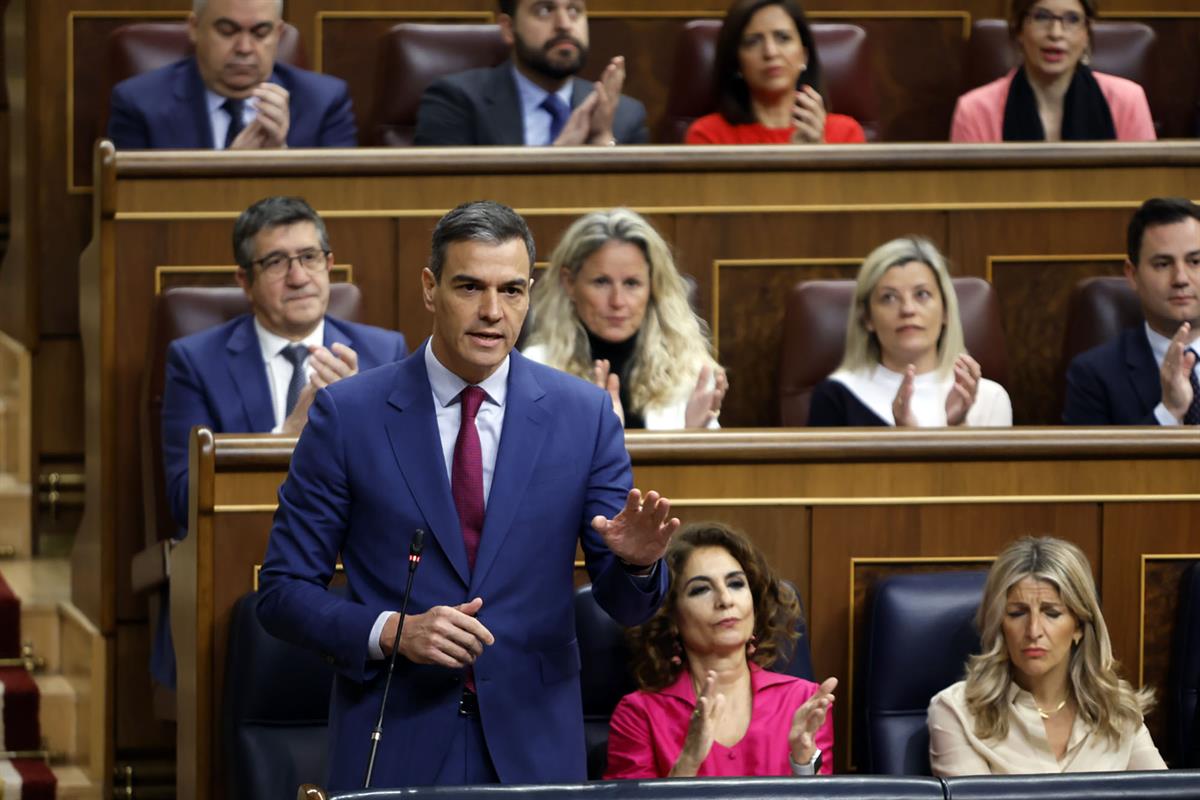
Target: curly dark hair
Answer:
pixel 776 607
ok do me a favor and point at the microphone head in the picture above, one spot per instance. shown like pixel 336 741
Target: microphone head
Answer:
pixel 418 542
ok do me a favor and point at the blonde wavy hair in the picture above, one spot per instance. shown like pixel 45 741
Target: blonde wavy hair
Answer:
pixel 673 343
pixel 862 346
pixel 1106 703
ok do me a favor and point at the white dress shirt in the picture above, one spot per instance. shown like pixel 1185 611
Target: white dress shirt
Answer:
pixel 489 421
pixel 279 369
pixel 537 119
pixel 877 386
pixel 1158 346
pixel 219 117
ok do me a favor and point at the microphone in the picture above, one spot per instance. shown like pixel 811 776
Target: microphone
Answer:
pixel 414 558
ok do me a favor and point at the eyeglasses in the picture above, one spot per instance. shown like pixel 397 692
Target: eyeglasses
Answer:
pixel 1045 19
pixel 276 265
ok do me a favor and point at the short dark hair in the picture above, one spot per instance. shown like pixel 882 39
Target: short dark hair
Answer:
pixel 733 96
pixel 271 212
pixel 508 6
pixel 478 221
pixel 1156 211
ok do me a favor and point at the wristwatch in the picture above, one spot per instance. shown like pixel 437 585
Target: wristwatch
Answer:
pixel 811 768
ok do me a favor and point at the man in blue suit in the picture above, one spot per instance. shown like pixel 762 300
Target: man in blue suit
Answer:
pixel 508 465
pixel 258 372
pixel 231 94
pixel 534 98
pixel 1147 374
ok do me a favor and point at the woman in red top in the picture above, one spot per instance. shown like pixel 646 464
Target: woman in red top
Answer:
pixel 766 71
pixel 707 706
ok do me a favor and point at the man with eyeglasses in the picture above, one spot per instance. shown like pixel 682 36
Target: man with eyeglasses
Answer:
pixel 232 94
pixel 258 373
pixel 534 98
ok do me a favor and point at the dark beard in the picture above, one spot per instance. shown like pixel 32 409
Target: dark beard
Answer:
pixel 538 61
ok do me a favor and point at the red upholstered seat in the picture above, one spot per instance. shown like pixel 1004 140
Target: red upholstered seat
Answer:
pixel 814 337
pixel 415 55
pixel 845 67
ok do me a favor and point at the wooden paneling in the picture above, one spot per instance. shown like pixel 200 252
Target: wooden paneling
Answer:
pixel 834 512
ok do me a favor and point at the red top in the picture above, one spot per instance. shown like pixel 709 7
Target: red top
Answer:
pixel 647 730
pixel 713 129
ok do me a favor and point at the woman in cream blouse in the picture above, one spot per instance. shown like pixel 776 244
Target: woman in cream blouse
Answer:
pixel 1044 694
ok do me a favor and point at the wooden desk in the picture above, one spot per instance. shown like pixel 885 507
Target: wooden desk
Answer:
pixel 834 513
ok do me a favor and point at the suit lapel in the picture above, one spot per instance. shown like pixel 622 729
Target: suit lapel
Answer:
pixel 580 89
pixel 413 434
pixel 1143 369
pixel 335 334
pixel 250 375
pixel 508 124
pixel 194 127
pixel 521 442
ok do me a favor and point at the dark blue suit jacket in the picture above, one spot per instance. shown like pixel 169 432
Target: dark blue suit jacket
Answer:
pixel 483 107
pixel 1116 383
pixel 367 471
pixel 216 378
pixel 167 108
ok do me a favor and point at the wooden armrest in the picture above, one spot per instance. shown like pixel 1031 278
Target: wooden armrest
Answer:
pixel 151 568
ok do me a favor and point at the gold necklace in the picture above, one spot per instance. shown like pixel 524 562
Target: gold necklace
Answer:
pixel 1048 714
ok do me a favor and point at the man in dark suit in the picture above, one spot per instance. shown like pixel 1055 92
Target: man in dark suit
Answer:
pixel 232 93
pixel 534 98
pixel 508 465
pixel 1147 374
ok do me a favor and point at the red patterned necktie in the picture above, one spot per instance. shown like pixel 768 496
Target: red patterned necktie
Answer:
pixel 466 475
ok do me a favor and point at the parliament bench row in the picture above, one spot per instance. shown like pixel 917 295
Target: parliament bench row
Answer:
pixel 919 635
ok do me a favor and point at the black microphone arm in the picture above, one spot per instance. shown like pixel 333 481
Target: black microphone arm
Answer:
pixel 414 558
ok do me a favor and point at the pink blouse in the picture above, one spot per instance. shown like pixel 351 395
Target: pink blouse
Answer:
pixel 648 728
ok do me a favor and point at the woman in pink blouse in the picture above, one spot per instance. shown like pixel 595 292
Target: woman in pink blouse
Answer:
pixel 1053 95
pixel 726 617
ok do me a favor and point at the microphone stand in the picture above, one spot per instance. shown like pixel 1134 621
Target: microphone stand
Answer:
pixel 414 558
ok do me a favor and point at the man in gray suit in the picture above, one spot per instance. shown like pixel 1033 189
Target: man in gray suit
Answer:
pixel 534 98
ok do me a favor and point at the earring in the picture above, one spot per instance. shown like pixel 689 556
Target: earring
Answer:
pixel 751 646
pixel 676 654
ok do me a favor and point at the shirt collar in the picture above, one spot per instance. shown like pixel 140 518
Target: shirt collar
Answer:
pixel 447 386
pixel 1158 344
pixel 532 95
pixel 271 344
pixel 215 101
pixel 760 678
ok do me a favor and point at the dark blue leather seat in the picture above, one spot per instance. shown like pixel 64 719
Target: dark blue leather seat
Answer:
pixel 605 676
pixel 842 787
pixel 919 634
pixel 1183 710
pixel 276 711
pixel 1160 785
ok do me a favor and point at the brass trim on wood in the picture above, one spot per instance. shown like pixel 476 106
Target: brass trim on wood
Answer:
pixel 1068 258
pixel 719 263
pixel 1142 602
pixel 344 271
pixel 72 187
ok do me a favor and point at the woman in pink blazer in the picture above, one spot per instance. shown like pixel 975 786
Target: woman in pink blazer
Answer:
pixel 1053 96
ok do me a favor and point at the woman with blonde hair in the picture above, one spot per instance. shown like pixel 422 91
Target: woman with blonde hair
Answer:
pixel 708 704
pixel 1044 694
pixel 613 309
pixel 905 362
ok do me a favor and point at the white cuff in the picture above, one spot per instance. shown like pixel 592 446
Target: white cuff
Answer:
pixel 1163 416
pixel 806 769
pixel 374 651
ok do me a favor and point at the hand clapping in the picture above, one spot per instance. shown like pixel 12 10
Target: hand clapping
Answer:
pixel 704 405
pixel 1176 373
pixel 808 719
pixel 808 117
pixel 271 122
pixel 702 729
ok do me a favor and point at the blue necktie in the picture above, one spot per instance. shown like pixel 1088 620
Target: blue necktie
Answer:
pixel 1192 416
pixel 559 113
pixel 234 108
pixel 295 353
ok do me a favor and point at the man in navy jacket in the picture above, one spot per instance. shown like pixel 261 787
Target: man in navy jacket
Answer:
pixel 508 465
pixel 1147 374
pixel 232 94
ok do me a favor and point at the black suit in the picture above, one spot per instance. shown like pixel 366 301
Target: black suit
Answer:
pixel 483 106
pixel 1116 383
